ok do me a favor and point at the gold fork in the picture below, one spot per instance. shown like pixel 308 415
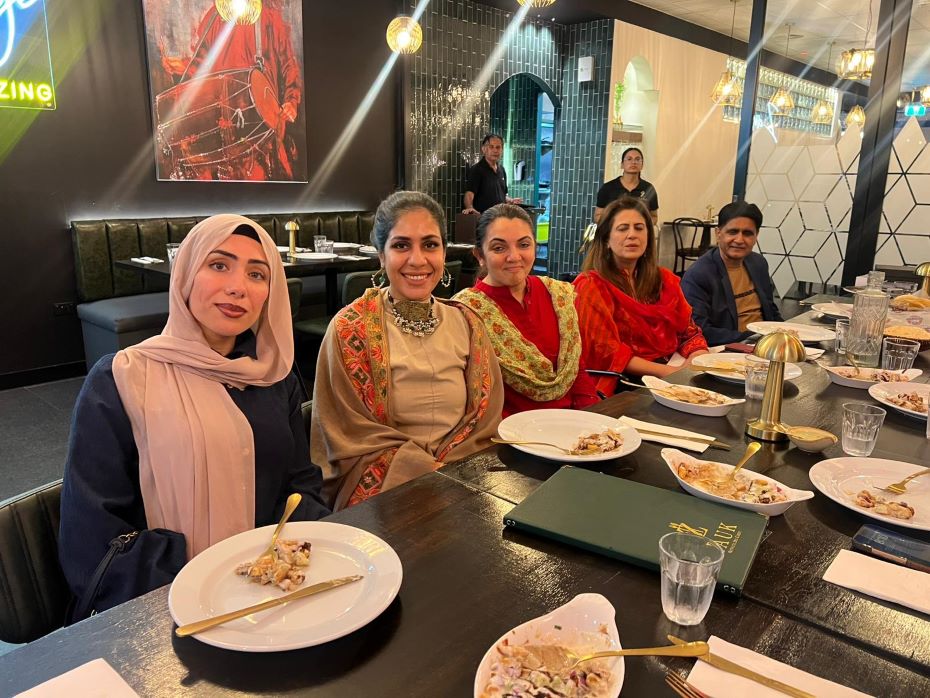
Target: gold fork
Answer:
pixel 514 442
pixel 678 684
pixel 688 649
pixel 901 487
pixel 289 508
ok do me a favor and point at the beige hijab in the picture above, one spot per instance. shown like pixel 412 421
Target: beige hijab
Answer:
pixel 196 451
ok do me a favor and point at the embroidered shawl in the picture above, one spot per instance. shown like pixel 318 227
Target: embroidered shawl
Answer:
pixel 353 437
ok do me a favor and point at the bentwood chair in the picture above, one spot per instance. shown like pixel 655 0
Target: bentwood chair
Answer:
pixel 34 595
pixel 690 229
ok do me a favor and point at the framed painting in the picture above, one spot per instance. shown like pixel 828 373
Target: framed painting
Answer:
pixel 227 89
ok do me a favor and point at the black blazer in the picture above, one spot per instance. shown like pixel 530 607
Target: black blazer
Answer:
pixel 707 287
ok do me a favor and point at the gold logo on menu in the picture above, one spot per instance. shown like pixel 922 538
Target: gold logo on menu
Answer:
pixel 726 535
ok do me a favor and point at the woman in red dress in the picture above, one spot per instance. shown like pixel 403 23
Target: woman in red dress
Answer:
pixel 531 319
pixel 632 313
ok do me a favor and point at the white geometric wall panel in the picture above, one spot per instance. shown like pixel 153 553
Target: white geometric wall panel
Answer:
pixel 806 195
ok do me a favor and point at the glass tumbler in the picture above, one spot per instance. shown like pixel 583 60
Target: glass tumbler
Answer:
pixel 866 327
pixel 842 331
pixel 898 353
pixel 172 250
pixel 689 566
pixel 757 372
pixel 861 424
pixel 317 241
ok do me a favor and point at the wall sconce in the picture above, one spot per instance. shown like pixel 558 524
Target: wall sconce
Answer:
pixel 404 35
pixel 242 11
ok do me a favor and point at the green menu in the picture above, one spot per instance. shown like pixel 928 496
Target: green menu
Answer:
pixel 624 520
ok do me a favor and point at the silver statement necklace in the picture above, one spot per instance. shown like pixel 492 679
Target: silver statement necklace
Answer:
pixel 413 317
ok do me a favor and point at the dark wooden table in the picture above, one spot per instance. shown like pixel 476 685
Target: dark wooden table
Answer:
pixel 466 582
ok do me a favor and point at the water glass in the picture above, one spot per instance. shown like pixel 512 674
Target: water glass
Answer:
pixel 866 327
pixel 317 241
pixel 325 246
pixel 689 566
pixel 757 371
pixel 172 250
pixel 842 329
pixel 861 424
pixel 898 354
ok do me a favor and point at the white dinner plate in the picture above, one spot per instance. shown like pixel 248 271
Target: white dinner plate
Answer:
pixel 285 248
pixel 585 624
pixel 690 407
pixel 563 427
pixel 884 391
pixel 866 377
pixel 316 256
pixel 736 360
pixel 839 311
pixel 806 333
pixel 842 478
pixel 673 457
pixel 346 246
pixel 208 586
pixel 368 250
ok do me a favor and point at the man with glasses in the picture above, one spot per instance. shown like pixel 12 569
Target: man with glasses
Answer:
pixel 629 183
pixel 487 180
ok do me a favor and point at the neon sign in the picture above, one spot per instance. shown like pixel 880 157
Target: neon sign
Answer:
pixel 26 80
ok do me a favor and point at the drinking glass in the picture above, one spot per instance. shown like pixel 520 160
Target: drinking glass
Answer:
pixel 842 329
pixel 689 566
pixel 898 354
pixel 172 250
pixel 861 424
pixel 317 241
pixel 866 327
pixel 757 371
pixel 325 246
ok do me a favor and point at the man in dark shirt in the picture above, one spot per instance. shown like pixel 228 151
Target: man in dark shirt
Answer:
pixel 487 180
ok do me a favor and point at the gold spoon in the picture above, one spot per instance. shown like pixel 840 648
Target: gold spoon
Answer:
pixel 289 508
pixel 854 363
pixel 689 649
pixel 751 450
pixel 536 443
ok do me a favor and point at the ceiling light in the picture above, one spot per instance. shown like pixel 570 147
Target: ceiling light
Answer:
pixel 856 63
pixel 925 95
pixel 856 117
pixel 239 11
pixel 822 111
pixel 728 92
pixel 782 103
pixel 537 3
pixel 404 35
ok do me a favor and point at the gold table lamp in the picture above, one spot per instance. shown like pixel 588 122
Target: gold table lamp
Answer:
pixel 291 227
pixel 778 348
pixel 924 271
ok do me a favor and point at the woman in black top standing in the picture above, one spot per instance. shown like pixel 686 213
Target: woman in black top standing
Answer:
pixel 629 183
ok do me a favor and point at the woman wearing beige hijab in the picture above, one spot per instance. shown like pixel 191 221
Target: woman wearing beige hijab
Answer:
pixel 404 382
pixel 192 436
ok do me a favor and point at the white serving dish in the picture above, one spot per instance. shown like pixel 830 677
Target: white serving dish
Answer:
pixel 346 246
pixel 315 256
pixel 562 428
pixel 587 623
pixel 709 361
pixel 672 455
pixel 806 333
pixel 882 391
pixel 690 408
pixel 838 311
pixel 814 443
pixel 866 376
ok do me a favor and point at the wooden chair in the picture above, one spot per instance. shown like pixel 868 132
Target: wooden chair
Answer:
pixel 34 594
pixel 690 252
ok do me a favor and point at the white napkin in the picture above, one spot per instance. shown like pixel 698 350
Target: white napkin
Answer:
pixel 146 260
pixel 353 257
pixel 883 580
pixel 677 359
pixel 96 678
pixel 667 440
pixel 722 684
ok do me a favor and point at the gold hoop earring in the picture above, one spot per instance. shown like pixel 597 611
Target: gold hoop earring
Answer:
pixel 446 278
pixel 375 282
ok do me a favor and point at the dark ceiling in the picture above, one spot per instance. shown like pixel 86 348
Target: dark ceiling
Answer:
pixel 563 11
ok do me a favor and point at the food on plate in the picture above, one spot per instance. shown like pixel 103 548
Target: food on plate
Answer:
pixel 909 401
pixel 871 374
pixel 909 302
pixel 908 332
pixel 288 571
pixel 598 442
pixel 528 671
pixel 885 507
pixel 734 366
pixel 788 330
pixel 716 480
pixel 694 396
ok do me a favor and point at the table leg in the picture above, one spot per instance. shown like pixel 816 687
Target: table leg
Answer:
pixel 333 304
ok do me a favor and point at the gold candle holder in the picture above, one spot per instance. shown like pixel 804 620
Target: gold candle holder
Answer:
pixel 924 271
pixel 291 227
pixel 778 348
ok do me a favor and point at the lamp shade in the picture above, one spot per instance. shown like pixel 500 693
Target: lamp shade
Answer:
pixel 856 64
pixel 925 95
pixel 728 92
pixel 780 346
pixel 537 3
pixel 856 117
pixel 404 35
pixel 782 102
pixel 240 11
pixel 822 112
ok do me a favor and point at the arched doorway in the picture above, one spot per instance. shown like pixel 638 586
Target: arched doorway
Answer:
pixel 639 112
pixel 525 111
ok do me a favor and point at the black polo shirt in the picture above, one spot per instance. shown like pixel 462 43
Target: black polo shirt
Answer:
pixel 488 186
pixel 614 189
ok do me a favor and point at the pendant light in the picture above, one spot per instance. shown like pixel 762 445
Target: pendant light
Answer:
pixel 782 103
pixel 241 11
pixel 536 3
pixel 925 95
pixel 404 35
pixel 822 111
pixel 728 92
pixel 856 63
pixel 856 117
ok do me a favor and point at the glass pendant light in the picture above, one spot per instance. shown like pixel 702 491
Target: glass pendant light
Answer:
pixel 241 11
pixel 856 63
pixel 822 111
pixel 925 95
pixel 537 3
pixel 782 103
pixel 728 92
pixel 856 117
pixel 404 35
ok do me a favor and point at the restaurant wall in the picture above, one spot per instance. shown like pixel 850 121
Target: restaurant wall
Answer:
pixel 93 157
pixel 450 106
pixel 691 159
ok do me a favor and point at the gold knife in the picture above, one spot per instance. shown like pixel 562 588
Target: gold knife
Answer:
pixel 713 443
pixel 201 625
pixel 734 668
